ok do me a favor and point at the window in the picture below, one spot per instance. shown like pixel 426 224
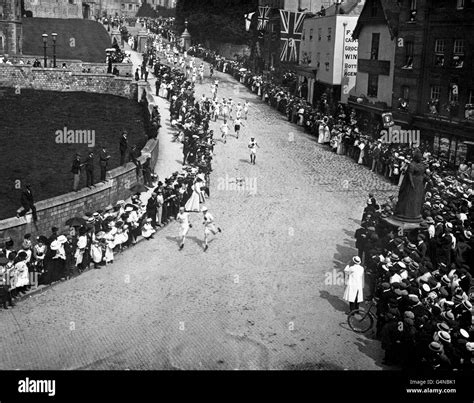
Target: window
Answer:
pixel 329 34
pixel 459 46
pixel 453 95
pixel 458 53
pixel 374 51
pixel 412 16
pixel 123 6
pixel 1 12
pixel 373 10
pixel 311 34
pixel 328 56
pixel 304 34
pixel 130 6
pixel 440 45
pixel 318 59
pixel 460 4
pixel 435 92
pixel 373 85
pixel 320 32
pixel 405 92
pixel 408 55
pixel 1 45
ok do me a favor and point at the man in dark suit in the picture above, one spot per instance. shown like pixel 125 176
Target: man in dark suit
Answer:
pixel 28 203
pixel 152 208
pixel 90 170
pixel 76 171
pixel 123 148
pixel 104 160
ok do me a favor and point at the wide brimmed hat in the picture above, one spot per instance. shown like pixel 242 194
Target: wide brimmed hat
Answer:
pixel 62 239
pixel 356 260
pixel 435 346
pixel 444 336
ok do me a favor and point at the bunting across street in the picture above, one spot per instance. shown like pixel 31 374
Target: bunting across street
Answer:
pixel 291 33
pixel 263 17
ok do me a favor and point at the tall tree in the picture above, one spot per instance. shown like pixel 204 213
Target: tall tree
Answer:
pixel 215 20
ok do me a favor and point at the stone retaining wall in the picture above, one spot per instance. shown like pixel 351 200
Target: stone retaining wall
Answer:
pixel 51 79
pixel 55 211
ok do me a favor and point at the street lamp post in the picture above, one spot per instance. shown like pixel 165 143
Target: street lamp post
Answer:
pixel 54 35
pixel 45 41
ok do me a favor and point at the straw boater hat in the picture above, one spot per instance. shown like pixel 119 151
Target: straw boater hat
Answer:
pixel 356 260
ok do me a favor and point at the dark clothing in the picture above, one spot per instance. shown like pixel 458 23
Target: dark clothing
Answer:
pixel 123 150
pixel 28 203
pixel 104 159
pixel 76 167
pixel 89 171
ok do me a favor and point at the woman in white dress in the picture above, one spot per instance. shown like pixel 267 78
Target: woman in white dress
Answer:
pixel 21 271
pixel 193 204
pixel 322 130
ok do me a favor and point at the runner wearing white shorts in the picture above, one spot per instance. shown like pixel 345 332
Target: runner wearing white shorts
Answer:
pixel 209 226
pixel 184 225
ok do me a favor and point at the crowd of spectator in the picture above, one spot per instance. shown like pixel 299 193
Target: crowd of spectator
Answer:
pixel 95 239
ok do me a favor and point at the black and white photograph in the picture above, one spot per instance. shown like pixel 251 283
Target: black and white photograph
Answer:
pixel 210 186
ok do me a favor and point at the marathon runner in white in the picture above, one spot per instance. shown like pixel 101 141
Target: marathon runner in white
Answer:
pixel 225 130
pixel 209 226
pixel 253 150
pixel 184 225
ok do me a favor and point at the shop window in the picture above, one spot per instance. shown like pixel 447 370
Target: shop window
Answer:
pixel 458 54
pixel 469 107
pixel 440 45
pixel 409 46
pixel 374 48
pixel 373 86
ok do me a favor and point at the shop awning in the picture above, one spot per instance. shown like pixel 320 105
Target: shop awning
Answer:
pixel 306 71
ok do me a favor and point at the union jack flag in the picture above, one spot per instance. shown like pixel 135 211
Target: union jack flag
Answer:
pixel 263 17
pixel 291 33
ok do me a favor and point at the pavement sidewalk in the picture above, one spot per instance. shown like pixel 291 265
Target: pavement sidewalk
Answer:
pixel 170 152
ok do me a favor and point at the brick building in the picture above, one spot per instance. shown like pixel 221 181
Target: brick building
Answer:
pixel 445 98
pixel 10 27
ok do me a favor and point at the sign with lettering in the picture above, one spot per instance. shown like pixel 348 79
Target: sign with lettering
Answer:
pixel 350 65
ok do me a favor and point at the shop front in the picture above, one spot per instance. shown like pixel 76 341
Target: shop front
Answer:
pixel 450 141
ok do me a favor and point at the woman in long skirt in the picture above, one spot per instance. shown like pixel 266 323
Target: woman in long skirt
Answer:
pixel 193 204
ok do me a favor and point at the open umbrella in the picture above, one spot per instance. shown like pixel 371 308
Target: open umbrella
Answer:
pixel 138 188
pixel 76 222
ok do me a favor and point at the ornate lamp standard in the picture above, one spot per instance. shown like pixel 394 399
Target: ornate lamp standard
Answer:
pixel 54 35
pixel 45 42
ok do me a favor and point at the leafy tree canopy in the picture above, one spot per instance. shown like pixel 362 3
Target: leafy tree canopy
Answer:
pixel 215 20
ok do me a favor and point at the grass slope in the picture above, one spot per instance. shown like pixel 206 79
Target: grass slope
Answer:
pixel 90 38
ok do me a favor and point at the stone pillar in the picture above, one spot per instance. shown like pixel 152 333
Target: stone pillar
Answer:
pixel 186 37
pixel 142 38
pixel 115 34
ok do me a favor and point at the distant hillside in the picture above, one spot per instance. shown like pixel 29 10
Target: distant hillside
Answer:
pixel 89 37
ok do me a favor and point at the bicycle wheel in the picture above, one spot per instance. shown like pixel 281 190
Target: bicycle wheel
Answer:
pixel 360 321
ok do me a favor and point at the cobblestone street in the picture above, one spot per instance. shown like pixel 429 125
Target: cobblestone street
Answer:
pixel 259 298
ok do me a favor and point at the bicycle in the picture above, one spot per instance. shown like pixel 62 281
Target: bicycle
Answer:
pixel 362 320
